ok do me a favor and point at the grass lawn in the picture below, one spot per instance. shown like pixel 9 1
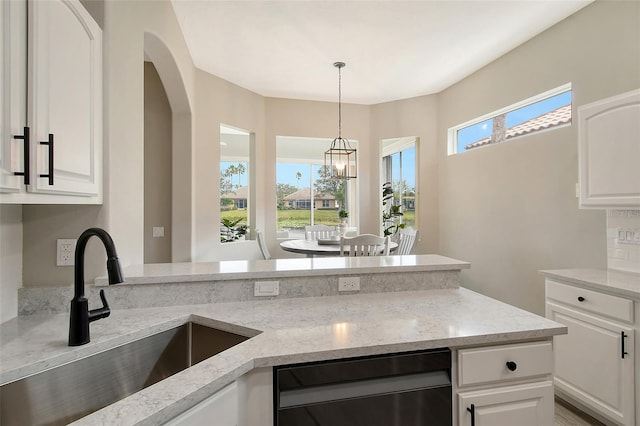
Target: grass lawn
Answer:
pixel 298 219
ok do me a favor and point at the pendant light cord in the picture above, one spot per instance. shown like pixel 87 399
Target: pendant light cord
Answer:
pixel 339 65
pixel 340 102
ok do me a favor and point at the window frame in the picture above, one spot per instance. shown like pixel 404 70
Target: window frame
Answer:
pixel 452 132
pixel 400 145
pixel 313 163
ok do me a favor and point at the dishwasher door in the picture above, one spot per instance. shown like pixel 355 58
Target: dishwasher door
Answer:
pixel 407 389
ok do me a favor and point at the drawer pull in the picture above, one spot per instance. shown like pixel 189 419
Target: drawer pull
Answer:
pixel 580 299
pixel 472 410
pixel 512 365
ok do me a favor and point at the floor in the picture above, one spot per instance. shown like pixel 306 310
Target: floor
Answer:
pixel 566 415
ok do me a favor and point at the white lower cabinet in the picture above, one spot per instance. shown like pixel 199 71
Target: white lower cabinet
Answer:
pixel 505 385
pixel 220 409
pixel 522 405
pixel 594 362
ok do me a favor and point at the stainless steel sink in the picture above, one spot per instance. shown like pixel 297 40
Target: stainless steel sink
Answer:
pixel 71 391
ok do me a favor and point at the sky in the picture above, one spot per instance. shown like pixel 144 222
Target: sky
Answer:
pixel 287 172
pixel 483 129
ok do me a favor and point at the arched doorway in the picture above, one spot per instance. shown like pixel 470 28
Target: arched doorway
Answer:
pixel 181 147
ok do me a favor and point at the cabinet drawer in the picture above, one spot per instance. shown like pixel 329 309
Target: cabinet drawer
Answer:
pixel 589 300
pixel 497 363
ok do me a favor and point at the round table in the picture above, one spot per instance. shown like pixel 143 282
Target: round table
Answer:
pixel 312 247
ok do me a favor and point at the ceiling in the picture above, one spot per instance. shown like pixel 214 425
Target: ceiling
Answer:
pixel 393 49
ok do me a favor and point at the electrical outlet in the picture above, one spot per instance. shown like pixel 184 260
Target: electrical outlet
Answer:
pixel 349 284
pixel 65 252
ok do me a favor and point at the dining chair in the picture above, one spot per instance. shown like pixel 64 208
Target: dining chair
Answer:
pixel 364 245
pixel 263 245
pixel 315 232
pixel 406 239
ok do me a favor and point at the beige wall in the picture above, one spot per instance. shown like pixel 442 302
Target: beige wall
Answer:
pixel 511 209
pixel 220 102
pixel 10 260
pixel 157 167
pixel 414 117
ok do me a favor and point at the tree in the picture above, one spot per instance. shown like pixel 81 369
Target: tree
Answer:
pixel 282 190
pixel 226 186
pixel 326 186
pixel 298 177
pixel 240 170
pixel 402 188
pixel 226 178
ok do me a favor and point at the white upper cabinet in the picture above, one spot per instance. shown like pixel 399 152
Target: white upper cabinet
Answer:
pixel 64 106
pixel 13 94
pixel 609 152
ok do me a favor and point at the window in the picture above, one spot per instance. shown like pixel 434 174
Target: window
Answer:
pixel 304 197
pixel 235 194
pixel 399 168
pixel 548 110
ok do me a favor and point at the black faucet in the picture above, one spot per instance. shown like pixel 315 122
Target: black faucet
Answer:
pixel 81 316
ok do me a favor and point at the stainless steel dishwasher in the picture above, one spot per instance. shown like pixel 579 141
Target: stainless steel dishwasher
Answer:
pixel 405 389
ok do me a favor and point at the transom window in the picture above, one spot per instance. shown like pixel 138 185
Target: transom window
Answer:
pixel 545 111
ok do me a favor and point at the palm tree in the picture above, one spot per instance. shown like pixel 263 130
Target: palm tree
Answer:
pixel 298 177
pixel 240 170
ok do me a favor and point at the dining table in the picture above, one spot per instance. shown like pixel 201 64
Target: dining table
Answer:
pixel 319 247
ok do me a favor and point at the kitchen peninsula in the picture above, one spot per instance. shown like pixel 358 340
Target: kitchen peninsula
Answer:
pixel 406 303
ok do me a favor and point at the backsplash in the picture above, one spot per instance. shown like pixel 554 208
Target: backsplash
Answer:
pixel 623 240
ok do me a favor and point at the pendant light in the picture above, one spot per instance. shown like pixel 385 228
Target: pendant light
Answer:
pixel 340 160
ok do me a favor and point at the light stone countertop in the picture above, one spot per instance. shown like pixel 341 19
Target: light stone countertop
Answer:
pixel 289 331
pixel 275 268
pixel 620 283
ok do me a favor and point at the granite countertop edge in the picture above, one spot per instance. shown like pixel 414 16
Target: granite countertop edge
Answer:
pixel 305 329
pixel 276 268
pixel 620 283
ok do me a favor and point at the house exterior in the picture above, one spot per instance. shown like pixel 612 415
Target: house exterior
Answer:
pixel 301 199
pixel 557 117
pixel 239 198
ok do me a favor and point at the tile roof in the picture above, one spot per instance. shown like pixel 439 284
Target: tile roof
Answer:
pixel 548 120
pixel 305 194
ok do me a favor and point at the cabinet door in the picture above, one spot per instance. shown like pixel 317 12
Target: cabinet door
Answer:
pixel 609 148
pixel 65 97
pixel 590 365
pixel 13 93
pixel 220 409
pixel 523 405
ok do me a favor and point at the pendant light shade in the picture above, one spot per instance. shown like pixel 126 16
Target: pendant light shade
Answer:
pixel 340 160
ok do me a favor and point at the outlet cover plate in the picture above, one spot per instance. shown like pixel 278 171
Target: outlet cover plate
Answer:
pixel 65 252
pixel 349 284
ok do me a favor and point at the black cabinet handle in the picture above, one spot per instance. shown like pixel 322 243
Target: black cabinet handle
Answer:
pixel 26 138
pixel 580 299
pixel 472 410
pixel 50 143
pixel 622 337
pixel 512 365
